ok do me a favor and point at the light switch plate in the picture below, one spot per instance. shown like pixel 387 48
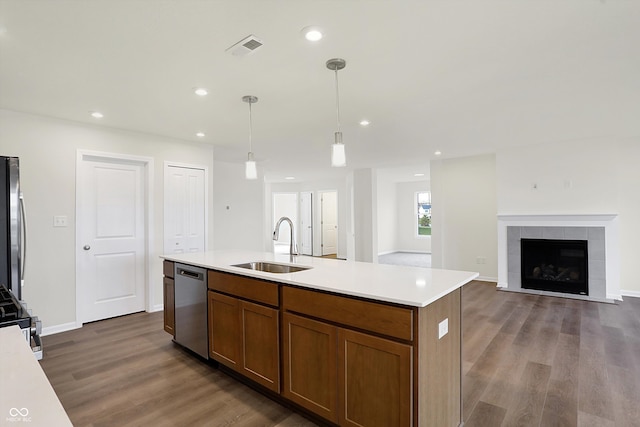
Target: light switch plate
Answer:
pixel 443 328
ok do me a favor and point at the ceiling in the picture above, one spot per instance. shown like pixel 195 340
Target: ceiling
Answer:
pixel 462 77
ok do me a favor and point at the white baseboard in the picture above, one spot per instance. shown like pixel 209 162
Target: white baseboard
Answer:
pixel 157 307
pixel 403 251
pixel 487 279
pixel 56 329
pixel 630 293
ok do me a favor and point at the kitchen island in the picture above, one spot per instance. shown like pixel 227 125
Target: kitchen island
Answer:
pixel 349 342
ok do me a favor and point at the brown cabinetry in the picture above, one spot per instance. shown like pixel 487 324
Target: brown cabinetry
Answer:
pixel 169 297
pixel 348 377
pixel 309 361
pixel 351 361
pixel 374 380
pixel 243 329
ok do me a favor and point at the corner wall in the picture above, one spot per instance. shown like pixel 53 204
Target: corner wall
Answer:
pixel 464 217
pixel 47 149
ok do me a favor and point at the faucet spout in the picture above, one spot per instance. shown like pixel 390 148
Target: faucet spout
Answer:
pixel 293 248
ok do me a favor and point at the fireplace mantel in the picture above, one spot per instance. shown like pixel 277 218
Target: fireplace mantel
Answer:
pixel 550 224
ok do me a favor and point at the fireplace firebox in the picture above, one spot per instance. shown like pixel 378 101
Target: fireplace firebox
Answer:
pixel 555 265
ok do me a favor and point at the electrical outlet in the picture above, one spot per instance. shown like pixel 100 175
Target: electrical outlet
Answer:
pixel 443 328
pixel 481 260
pixel 60 221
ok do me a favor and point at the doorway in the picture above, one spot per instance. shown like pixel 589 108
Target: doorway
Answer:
pixel 329 222
pixel 112 217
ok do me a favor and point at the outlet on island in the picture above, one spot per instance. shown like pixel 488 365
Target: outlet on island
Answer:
pixel 443 328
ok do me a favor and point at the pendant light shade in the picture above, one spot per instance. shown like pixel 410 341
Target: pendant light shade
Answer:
pixel 250 169
pixel 338 154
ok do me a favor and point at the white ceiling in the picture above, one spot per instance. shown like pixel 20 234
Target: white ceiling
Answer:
pixel 463 77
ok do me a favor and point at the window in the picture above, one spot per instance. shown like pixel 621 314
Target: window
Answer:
pixel 423 213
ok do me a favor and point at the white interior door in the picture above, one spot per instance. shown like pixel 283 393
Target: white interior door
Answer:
pixel 111 237
pixel 184 209
pixel 329 209
pixel 306 223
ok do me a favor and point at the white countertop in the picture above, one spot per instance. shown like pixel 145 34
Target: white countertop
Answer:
pixel 26 396
pixel 413 286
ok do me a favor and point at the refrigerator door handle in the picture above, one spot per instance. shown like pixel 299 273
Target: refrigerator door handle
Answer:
pixel 23 238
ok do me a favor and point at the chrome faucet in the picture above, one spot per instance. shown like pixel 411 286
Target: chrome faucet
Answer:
pixel 293 248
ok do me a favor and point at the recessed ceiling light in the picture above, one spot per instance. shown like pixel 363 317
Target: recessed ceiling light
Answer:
pixel 200 91
pixel 96 114
pixel 200 134
pixel 289 177
pixel 437 153
pixel 313 34
pixel 364 122
pixel 418 174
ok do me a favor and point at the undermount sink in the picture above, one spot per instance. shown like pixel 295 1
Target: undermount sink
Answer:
pixel 272 267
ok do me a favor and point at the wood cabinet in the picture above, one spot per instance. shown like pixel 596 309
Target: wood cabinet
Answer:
pixel 309 361
pixel 244 334
pixel 348 377
pixel 374 380
pixel 169 297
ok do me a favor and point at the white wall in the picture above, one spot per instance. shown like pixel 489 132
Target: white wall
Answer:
pixel 387 206
pixel 47 149
pixel 238 209
pixel 365 215
pixel 628 180
pixel 407 239
pixel 463 196
pixel 599 176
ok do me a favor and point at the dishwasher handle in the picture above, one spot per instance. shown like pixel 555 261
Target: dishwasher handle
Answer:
pixel 190 274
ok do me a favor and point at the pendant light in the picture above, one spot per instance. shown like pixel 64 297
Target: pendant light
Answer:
pixel 338 156
pixel 250 170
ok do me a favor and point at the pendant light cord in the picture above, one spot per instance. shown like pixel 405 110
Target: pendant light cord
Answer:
pixel 337 100
pixel 250 128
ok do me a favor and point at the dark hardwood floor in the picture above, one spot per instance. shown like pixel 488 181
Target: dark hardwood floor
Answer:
pixel 527 361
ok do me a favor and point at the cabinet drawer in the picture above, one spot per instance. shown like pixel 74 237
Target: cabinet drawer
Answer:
pixel 167 268
pixel 380 318
pixel 244 287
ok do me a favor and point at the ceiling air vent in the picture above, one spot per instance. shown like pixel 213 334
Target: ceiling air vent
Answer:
pixel 245 46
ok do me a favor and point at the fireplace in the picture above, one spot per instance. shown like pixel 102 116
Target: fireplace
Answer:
pixel 599 231
pixel 555 265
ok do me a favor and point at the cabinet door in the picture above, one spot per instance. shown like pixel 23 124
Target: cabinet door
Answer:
pixel 169 305
pixel 374 381
pixel 309 363
pixel 260 344
pixel 224 329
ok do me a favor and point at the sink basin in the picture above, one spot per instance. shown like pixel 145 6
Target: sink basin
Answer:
pixel 272 267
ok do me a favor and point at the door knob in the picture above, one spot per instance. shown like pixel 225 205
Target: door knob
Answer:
pixel 86 247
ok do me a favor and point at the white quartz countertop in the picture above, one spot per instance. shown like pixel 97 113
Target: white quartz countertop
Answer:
pixel 26 396
pixel 413 286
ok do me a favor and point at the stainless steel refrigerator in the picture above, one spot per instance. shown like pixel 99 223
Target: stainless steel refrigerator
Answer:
pixel 12 226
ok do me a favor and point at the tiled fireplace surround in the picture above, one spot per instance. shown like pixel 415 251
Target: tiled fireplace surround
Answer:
pixel 600 231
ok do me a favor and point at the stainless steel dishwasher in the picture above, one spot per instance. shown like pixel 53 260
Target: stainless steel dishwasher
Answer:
pixel 191 308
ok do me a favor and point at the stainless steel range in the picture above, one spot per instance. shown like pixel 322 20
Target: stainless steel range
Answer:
pixel 13 232
pixel 13 312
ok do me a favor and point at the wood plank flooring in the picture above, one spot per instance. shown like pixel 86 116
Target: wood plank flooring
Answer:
pixel 527 361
